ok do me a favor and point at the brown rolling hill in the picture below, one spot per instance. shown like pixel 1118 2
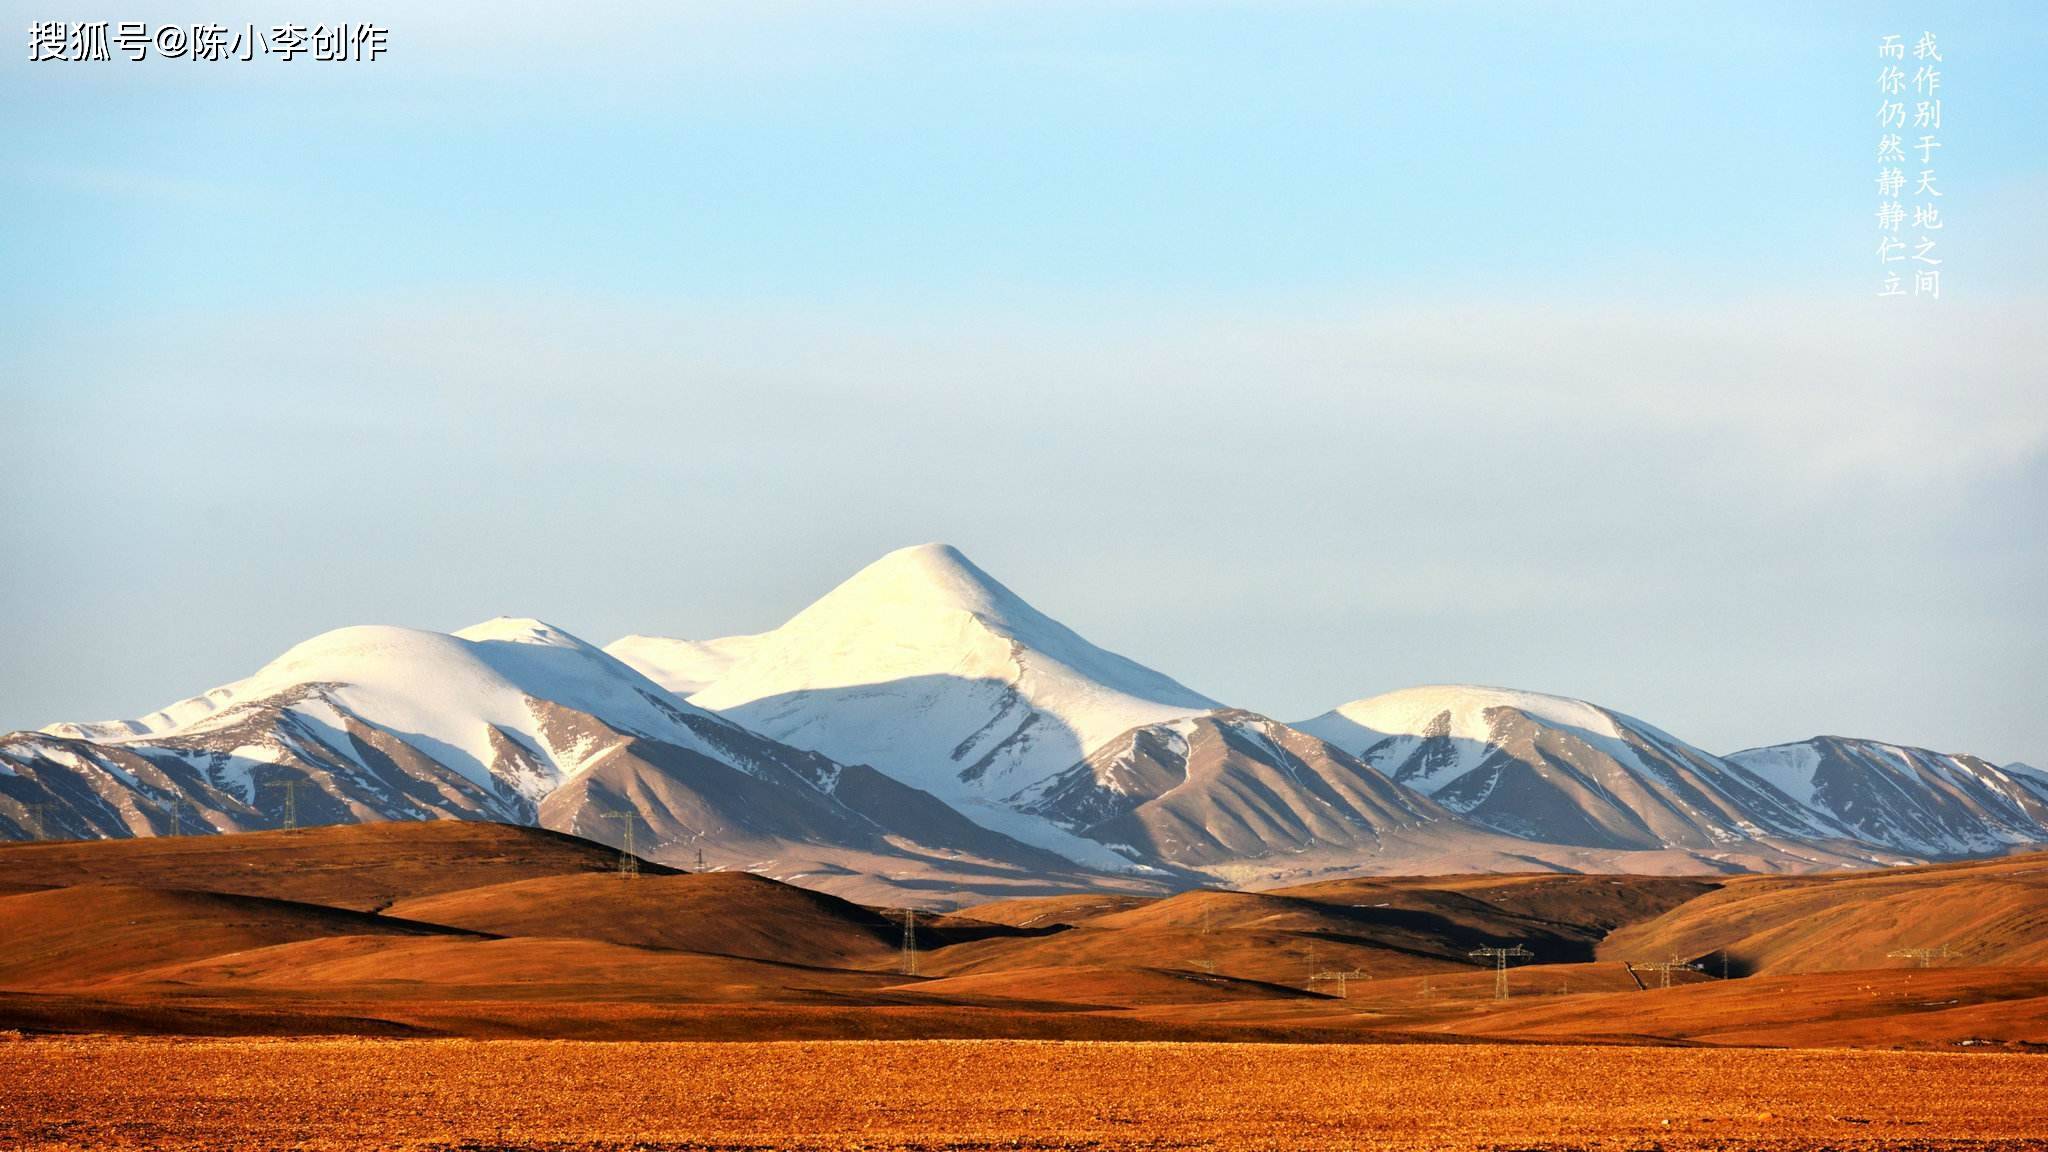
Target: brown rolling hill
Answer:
pixel 482 930
pixel 715 913
pixel 565 972
pixel 1053 911
pixel 1986 912
pixel 89 933
pixel 1385 926
pixel 1098 987
pixel 1886 1008
pixel 359 866
pixel 1245 935
pixel 722 913
pixel 1589 905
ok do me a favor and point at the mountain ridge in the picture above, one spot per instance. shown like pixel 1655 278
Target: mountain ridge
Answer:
pixel 922 725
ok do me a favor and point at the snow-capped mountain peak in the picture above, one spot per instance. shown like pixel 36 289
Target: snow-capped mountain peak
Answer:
pixel 928 610
pixel 928 668
pixel 1910 799
pixel 487 702
pixel 520 630
pixel 921 579
pixel 1559 769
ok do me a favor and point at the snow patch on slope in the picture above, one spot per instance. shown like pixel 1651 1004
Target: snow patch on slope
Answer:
pixel 1409 712
pixel 684 667
pixel 1788 767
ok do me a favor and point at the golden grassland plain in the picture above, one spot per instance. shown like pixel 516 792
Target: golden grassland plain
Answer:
pixel 139 1093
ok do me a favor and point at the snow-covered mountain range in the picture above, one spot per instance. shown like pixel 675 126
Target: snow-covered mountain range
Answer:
pixel 1928 803
pixel 921 727
pixel 510 720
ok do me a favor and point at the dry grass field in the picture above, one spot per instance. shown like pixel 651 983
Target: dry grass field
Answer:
pixel 466 1094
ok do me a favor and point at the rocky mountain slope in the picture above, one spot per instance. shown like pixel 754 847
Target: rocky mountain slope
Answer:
pixel 1232 786
pixel 1563 771
pixel 1926 803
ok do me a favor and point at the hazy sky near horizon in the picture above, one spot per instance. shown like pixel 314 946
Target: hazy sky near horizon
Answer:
pixel 1300 350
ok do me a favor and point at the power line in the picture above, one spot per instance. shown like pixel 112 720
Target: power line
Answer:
pixel 1664 969
pixel 1500 958
pixel 1342 979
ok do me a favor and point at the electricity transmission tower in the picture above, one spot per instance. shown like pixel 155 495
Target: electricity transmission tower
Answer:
pixel 291 799
pixel 1500 958
pixel 39 812
pixel 1342 979
pixel 700 858
pixel 1664 969
pixel 1207 960
pixel 910 941
pixel 170 808
pixel 1926 956
pixel 629 864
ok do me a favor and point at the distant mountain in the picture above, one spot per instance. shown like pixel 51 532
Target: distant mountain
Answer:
pixel 1932 804
pixel 927 668
pixel 511 720
pixel 1233 787
pixel 923 734
pixel 1555 770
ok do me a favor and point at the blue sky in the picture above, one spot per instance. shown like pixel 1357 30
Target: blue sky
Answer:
pixel 1302 350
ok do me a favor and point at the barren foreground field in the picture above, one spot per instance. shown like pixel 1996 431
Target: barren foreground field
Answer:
pixel 163 1093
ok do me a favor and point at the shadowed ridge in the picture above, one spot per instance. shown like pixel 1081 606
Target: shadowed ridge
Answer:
pixel 355 866
pixel 86 934
pixel 722 913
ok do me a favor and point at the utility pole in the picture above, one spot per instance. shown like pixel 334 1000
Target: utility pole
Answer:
pixel 910 941
pixel 1500 958
pixel 1926 956
pixel 629 864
